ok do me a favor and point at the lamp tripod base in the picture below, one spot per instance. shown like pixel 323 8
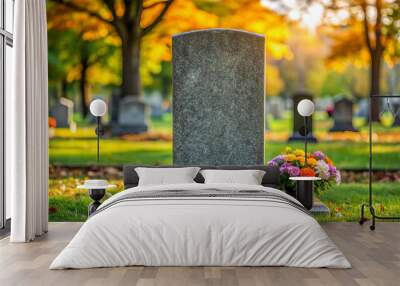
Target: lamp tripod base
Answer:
pixel 371 208
pixel 96 195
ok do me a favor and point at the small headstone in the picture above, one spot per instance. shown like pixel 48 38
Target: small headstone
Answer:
pixel 343 116
pixel 322 104
pixel 62 111
pixel 298 120
pixel 395 110
pixel 274 107
pixel 155 101
pixel 363 107
pixel 133 117
pixel 218 97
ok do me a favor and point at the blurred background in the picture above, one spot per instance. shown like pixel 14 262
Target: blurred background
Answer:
pixel 337 52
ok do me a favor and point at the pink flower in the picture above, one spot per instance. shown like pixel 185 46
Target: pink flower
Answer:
pixel 293 171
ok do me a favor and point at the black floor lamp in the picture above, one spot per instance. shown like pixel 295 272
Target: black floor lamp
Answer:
pixel 305 108
pixel 370 204
pixel 98 108
pixel 97 188
pixel 305 185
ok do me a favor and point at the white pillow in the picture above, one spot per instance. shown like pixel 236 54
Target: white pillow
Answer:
pixel 248 177
pixel 166 176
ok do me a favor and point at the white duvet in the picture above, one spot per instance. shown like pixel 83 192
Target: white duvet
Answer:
pixel 200 231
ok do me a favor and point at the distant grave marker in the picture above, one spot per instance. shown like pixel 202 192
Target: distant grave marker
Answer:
pixel 133 116
pixel 343 116
pixel 63 111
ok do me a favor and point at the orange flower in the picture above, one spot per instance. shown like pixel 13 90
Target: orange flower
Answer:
pixel 307 172
pixel 311 161
pixel 52 122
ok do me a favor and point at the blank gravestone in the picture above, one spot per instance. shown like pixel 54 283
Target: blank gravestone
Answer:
pixel 298 120
pixel 218 98
pixel 62 111
pixel 393 106
pixel 343 116
pixel 133 116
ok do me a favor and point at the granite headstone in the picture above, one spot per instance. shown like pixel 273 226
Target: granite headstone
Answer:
pixel 363 108
pixel 133 116
pixel 275 107
pixel 62 111
pixel 218 98
pixel 394 109
pixel 343 116
pixel 155 101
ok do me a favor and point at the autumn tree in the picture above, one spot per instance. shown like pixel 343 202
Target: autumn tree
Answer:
pixel 369 24
pixel 61 59
pixel 182 15
pixel 78 52
pixel 131 21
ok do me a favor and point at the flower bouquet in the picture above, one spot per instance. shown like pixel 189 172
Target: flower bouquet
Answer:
pixel 291 163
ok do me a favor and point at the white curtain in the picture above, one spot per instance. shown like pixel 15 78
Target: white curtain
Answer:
pixel 27 123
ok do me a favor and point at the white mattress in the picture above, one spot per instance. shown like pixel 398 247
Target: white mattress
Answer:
pixel 200 231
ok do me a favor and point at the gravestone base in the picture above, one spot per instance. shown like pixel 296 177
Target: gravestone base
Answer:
pixel 118 130
pixel 343 127
pixel 296 136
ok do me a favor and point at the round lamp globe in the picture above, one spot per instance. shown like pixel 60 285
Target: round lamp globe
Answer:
pixel 305 107
pixel 98 107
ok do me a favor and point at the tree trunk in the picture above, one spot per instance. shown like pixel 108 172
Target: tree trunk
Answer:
pixel 84 107
pixel 64 87
pixel 375 77
pixel 131 84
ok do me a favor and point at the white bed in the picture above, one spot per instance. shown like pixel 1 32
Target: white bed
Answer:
pixel 202 231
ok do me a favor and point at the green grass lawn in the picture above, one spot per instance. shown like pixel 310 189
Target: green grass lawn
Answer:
pixel 79 149
pixel 344 201
pixel 82 152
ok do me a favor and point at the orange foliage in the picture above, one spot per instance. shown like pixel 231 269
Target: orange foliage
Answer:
pixel 182 16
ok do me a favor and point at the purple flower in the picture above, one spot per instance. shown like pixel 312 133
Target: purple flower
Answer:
pixel 293 171
pixel 284 169
pixel 279 159
pixel 272 163
pixel 323 170
pixel 319 155
pixel 332 171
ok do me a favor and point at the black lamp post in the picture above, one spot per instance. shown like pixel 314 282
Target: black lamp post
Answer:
pixel 305 108
pixel 304 185
pixel 98 108
pixel 97 188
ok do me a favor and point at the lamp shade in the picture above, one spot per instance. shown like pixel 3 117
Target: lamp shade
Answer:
pixel 305 107
pixel 98 107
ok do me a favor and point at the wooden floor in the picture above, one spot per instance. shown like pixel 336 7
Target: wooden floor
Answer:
pixel 375 257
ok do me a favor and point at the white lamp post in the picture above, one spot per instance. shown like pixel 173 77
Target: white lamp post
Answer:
pixel 98 108
pixel 305 108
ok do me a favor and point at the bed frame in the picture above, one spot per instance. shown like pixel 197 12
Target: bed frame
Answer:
pixel 270 179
